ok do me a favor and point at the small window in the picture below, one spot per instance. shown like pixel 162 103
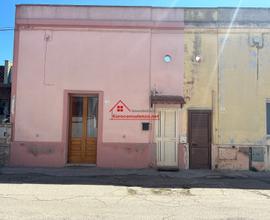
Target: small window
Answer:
pixel 268 118
pixel 167 58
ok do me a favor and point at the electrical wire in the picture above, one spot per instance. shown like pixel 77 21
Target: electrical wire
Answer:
pixel 7 28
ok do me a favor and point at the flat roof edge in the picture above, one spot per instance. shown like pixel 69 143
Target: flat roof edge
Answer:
pixel 140 6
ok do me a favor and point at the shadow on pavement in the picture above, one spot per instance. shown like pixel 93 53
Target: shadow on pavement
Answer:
pixel 138 178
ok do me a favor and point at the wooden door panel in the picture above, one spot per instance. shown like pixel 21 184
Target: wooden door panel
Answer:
pixel 200 158
pixel 92 152
pixel 91 148
pixel 74 153
pixel 83 123
pixel 76 142
pixel 199 135
pixel 91 144
pixel 91 141
pixel 75 148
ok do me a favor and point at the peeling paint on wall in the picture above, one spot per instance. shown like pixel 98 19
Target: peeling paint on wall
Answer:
pixel 242 85
pixel 36 151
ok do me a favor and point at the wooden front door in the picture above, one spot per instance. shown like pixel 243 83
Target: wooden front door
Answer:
pixel 83 129
pixel 199 138
pixel 166 138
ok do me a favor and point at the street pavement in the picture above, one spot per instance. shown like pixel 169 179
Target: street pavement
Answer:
pixel 92 193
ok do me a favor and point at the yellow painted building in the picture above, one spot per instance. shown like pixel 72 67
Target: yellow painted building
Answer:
pixel 227 71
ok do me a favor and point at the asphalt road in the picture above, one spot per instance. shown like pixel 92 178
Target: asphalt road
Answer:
pixel 164 196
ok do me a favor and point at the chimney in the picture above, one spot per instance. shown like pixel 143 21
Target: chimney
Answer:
pixel 8 66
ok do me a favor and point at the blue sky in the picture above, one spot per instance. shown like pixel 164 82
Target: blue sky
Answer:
pixel 7 11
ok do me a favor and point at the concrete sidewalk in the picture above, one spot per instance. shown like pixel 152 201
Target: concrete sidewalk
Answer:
pixel 82 171
pixel 94 193
pixel 147 178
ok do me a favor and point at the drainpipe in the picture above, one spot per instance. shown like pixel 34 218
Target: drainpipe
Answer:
pixel 257 41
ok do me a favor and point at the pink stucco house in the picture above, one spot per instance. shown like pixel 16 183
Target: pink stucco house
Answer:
pixel 97 85
pixel 139 87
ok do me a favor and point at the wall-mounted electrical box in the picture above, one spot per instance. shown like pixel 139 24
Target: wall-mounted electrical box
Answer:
pixel 145 126
pixel 183 139
pixel 257 154
pixel 256 40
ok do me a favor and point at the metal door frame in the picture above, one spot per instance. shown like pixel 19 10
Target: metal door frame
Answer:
pixel 209 112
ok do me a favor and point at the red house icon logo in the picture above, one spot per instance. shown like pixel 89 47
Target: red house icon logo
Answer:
pixel 119 107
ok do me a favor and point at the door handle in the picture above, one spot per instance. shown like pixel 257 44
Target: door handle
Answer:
pixel 193 144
